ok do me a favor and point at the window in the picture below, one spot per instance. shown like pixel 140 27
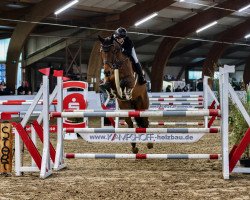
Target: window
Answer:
pixel 2 73
pixel 4 44
pixel 194 75
pixel 102 74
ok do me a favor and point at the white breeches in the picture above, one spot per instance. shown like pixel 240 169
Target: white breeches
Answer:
pixel 134 55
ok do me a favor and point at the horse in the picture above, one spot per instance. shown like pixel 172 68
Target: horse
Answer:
pixel 119 73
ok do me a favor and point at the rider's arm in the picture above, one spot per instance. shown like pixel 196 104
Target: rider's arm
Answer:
pixel 128 46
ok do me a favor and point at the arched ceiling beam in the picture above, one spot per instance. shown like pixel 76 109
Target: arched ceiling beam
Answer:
pixel 126 18
pixel 217 49
pixel 37 13
pixel 183 29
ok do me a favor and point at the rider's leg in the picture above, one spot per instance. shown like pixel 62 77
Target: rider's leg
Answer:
pixel 138 68
pixel 141 77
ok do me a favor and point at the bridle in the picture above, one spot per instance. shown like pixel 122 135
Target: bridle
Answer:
pixel 115 63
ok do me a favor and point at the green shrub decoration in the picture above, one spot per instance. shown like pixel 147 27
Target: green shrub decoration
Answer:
pixel 238 125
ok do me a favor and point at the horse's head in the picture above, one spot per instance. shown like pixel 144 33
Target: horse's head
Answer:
pixel 117 67
pixel 108 54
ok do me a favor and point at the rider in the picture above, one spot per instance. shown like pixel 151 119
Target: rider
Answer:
pixel 128 49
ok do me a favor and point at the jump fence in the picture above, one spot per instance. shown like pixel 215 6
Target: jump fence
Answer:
pixel 55 157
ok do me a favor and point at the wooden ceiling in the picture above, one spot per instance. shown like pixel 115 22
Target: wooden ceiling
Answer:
pixel 103 14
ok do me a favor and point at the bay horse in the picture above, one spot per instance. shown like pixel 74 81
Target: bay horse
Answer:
pixel 119 73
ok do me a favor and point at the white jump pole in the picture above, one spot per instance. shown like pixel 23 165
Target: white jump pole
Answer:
pixel 224 81
pixel 175 96
pixel 107 113
pixel 199 99
pixel 163 123
pixel 59 161
pixel 46 168
pixel 141 130
pixel 142 156
pixel 205 99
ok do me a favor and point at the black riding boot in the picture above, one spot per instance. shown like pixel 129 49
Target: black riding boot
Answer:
pixel 141 77
pixel 104 87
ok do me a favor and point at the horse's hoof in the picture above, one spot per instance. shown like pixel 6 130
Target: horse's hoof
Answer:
pixel 150 145
pixel 135 150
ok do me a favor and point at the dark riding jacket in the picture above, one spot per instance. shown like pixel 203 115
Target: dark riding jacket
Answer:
pixel 127 46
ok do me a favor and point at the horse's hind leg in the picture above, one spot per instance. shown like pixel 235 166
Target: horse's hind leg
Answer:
pixel 143 122
pixel 134 148
pixel 150 145
pixel 130 125
pixel 129 122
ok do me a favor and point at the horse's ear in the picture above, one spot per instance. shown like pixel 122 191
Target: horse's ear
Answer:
pixel 100 38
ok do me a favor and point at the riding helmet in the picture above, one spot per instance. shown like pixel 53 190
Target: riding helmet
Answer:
pixel 120 32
